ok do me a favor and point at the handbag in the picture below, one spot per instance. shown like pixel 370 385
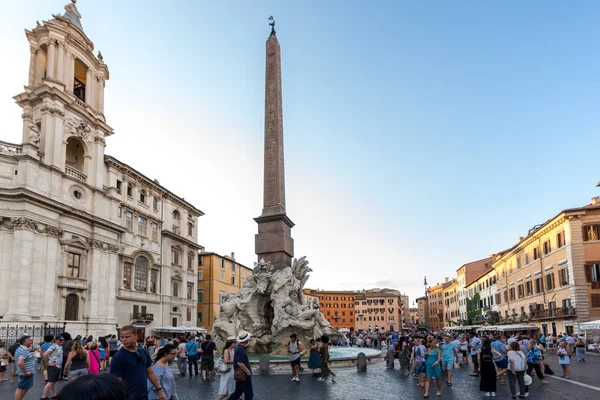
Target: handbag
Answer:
pixel 221 367
pixel 239 375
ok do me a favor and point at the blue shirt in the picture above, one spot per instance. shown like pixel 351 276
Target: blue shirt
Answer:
pixel 448 351
pixel 241 356
pixel 167 382
pixel 45 346
pixel 500 348
pixel 192 348
pixel 23 352
pixel 132 368
pixel 475 345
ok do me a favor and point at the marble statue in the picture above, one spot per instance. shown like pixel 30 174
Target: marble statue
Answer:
pixel 271 305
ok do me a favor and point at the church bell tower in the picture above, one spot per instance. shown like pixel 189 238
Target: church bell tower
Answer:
pixel 63 101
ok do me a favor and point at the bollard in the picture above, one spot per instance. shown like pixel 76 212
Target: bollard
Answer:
pixel 361 363
pixel 389 360
pixel 264 366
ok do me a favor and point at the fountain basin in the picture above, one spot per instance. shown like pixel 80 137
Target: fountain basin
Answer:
pixel 340 357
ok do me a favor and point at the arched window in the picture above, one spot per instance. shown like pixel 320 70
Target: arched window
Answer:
pixel 176 222
pixel 75 159
pixel 141 274
pixel 72 307
pixel 143 196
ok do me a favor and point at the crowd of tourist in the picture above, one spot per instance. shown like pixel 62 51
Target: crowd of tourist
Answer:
pixel 140 371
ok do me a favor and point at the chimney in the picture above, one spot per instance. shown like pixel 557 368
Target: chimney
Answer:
pixel 232 255
pixel 595 200
pixel 446 279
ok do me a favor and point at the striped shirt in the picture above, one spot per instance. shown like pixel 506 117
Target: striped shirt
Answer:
pixel 23 352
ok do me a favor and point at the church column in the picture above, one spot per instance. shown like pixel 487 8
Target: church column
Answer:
pixel 51 58
pixel 69 71
pixel 39 66
pixel 88 86
pixel 101 96
pixel 32 65
pixel 60 63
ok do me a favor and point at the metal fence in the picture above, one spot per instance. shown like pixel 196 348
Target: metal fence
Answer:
pixel 9 334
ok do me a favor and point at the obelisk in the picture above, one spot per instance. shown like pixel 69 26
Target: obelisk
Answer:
pixel 274 242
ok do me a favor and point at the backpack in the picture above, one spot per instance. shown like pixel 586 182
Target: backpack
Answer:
pixel 533 355
pixel 487 357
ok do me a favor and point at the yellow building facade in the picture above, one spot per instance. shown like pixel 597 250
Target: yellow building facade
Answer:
pixel 551 277
pixel 451 310
pixel 218 276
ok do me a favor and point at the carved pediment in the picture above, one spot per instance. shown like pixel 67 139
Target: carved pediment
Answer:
pixel 79 243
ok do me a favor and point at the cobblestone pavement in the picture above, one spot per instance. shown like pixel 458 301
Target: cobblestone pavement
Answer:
pixel 376 384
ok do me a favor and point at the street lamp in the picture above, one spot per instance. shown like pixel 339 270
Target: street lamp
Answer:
pixel 426 303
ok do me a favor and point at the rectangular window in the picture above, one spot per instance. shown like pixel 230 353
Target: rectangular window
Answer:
pixel 127 275
pixel 593 275
pixel 536 253
pixel 550 281
pixel 233 267
pixel 595 300
pixel 155 203
pixel 129 190
pixel 538 285
pixel 526 258
pixel 190 262
pixel 190 229
pixel 175 289
pixel 200 316
pixel 566 303
pixel 560 239
pixel 119 185
pixel 591 232
pixel 564 277
pixel 547 247
pixel 119 212
pixel 222 263
pixel 129 220
pixel 153 281
pixel 154 232
pixel 233 280
pixel 190 290
pixel 551 305
pixel 518 262
pixel 142 226
pixel 528 288
pixel 175 254
pixel 506 296
pixel 512 293
pixel 188 314
pixel 73 265
pixel 140 282
pixel 222 276
pixel 200 296
pixel 136 309
pixel 201 260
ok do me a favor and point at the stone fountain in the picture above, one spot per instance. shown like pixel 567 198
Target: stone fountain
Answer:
pixel 271 305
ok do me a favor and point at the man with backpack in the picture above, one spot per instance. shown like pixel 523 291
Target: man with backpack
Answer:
pixel 207 358
pixel 191 347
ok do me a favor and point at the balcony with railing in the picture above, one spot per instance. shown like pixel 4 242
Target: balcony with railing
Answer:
pixel 551 313
pixel 9 148
pixel 75 173
pixel 142 317
pixel 72 282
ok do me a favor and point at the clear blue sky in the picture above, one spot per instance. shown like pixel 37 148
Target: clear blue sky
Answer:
pixel 419 135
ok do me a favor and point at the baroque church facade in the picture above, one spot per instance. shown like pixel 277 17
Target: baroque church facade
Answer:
pixel 85 239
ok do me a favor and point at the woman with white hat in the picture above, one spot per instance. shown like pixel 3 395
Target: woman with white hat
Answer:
pixel 227 383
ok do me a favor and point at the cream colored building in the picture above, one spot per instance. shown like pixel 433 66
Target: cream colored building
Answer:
pixel 551 277
pixel 85 239
pixel 465 276
pixel 422 311
pixel 451 310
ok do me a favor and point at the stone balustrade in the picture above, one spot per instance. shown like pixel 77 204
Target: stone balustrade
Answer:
pixel 72 282
pixel 75 173
pixel 9 148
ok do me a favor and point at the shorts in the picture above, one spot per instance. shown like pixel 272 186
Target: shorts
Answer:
pixel 53 373
pixel 25 382
pixel 474 359
pixel 77 372
pixel 502 364
pixel 464 353
pixel 12 367
pixel 295 362
pixel 2 368
pixel 207 364
pixel 448 365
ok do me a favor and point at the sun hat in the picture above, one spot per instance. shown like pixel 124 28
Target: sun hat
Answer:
pixel 243 336
pixel 528 380
pixel 231 338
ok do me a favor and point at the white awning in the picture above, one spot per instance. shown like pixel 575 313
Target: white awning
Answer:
pixel 590 325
